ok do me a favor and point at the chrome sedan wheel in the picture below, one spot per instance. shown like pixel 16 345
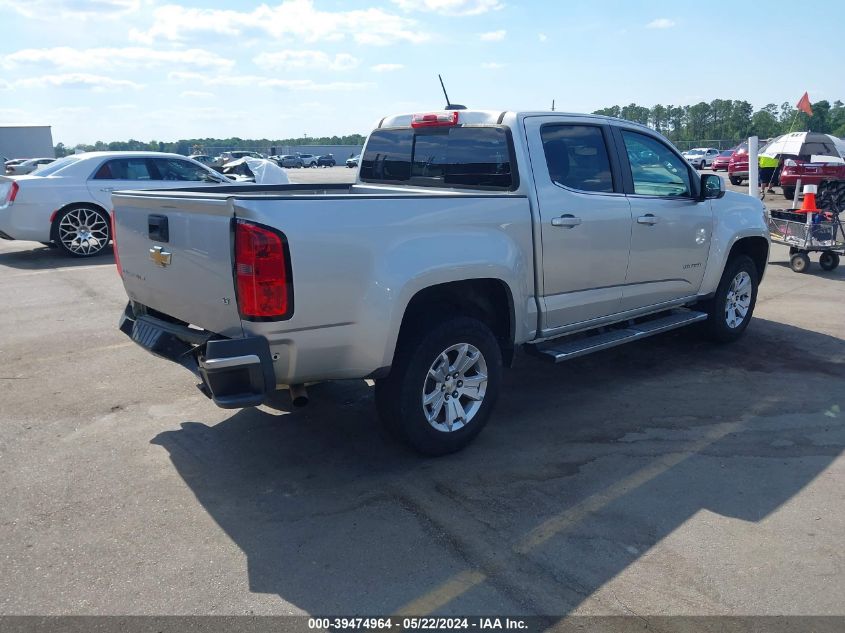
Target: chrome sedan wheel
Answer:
pixel 83 231
pixel 738 300
pixel 454 387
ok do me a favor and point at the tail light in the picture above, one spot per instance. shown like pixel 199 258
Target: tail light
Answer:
pixel 790 163
pixel 435 119
pixel 114 246
pixel 11 193
pixel 262 273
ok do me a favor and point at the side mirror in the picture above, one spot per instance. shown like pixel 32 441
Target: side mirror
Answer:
pixel 712 186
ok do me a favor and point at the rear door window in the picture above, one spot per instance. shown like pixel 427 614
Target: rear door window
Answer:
pixel 577 158
pixel 462 157
pixel 125 169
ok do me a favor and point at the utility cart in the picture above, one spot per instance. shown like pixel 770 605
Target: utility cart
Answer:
pixel 806 232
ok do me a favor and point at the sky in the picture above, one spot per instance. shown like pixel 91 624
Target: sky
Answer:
pixel 159 70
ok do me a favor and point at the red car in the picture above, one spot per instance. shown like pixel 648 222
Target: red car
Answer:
pixel 808 173
pixel 738 164
pixel 721 161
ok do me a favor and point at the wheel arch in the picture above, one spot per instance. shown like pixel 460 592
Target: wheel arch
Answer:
pixel 487 299
pixel 755 247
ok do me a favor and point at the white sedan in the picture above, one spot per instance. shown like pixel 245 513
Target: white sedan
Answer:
pixel 701 157
pixel 67 203
pixel 27 166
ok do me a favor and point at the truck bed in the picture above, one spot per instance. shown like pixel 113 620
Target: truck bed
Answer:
pixel 357 258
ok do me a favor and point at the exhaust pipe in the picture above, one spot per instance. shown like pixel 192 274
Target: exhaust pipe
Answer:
pixel 298 395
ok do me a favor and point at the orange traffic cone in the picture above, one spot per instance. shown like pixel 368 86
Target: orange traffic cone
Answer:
pixel 809 205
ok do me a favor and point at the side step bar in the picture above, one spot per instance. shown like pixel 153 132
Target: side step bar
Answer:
pixel 557 351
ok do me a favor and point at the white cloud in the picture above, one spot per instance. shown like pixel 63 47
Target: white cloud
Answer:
pixel 492 65
pixel 493 36
pixel 65 57
pixel 290 19
pixel 542 37
pixel 196 94
pixel 77 81
pixel 386 68
pixel 298 59
pixel 71 9
pixel 661 23
pixel 258 81
pixel 450 7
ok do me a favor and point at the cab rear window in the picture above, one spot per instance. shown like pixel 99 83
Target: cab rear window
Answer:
pixel 461 157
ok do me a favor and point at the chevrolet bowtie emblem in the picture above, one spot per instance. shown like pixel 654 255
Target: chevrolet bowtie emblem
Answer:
pixel 159 256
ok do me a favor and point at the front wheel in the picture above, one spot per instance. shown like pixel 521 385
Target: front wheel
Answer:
pixel 442 386
pixel 82 231
pixel 799 262
pixel 730 310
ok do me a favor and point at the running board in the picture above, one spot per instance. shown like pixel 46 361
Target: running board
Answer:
pixel 557 351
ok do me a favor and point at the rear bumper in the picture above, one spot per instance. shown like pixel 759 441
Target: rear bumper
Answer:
pixel 791 180
pixel 234 373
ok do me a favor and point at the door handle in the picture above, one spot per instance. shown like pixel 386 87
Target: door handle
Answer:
pixel 566 221
pixel 648 218
pixel 107 189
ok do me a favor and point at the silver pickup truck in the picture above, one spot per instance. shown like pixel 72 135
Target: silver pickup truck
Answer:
pixel 468 235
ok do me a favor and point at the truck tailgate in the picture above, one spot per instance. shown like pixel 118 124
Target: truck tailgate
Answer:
pixel 175 257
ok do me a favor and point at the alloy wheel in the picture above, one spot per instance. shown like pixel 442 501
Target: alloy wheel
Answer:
pixel 454 387
pixel 83 231
pixel 738 300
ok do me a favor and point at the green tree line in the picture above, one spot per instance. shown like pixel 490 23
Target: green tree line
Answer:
pixel 188 146
pixel 732 120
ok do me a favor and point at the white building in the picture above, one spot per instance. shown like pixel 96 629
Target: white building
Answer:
pixel 26 141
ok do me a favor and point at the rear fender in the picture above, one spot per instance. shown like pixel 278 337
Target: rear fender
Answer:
pixel 484 255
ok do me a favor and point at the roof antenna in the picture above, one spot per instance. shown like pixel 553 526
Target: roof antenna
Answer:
pixel 553 105
pixel 449 106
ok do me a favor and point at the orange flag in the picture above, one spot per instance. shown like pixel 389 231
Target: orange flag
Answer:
pixel 804 104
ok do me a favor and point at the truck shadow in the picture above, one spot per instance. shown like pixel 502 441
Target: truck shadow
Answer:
pixel 584 468
pixel 40 257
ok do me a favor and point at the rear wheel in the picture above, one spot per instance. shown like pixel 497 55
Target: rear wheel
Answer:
pixel 730 310
pixel 788 192
pixel 735 181
pixel 442 386
pixel 82 231
pixel 799 262
pixel 829 260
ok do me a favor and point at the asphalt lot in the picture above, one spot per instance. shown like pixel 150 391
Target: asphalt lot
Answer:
pixel 666 477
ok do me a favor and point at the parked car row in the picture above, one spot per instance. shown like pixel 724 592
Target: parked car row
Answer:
pixel 22 166
pixel 304 160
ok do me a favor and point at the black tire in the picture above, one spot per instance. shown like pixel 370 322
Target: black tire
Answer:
pixel 828 260
pixel 788 192
pixel 799 262
pixel 702 165
pixel 399 396
pixel 91 217
pixel 716 326
pixel 735 181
